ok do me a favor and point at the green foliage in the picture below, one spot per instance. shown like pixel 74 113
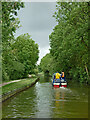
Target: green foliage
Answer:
pixel 10 65
pixel 19 55
pixel 27 52
pixel 39 69
pixel 69 40
pixel 4 75
pixel 47 64
pixel 9 22
pixel 9 25
pixel 36 71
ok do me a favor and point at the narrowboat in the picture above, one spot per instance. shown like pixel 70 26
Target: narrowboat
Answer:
pixel 59 82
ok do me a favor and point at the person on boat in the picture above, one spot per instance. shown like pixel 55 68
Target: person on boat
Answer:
pixel 57 77
pixel 63 76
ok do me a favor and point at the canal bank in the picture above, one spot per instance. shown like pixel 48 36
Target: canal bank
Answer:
pixel 13 88
pixel 43 101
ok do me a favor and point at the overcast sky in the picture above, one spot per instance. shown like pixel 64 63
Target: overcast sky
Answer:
pixel 36 19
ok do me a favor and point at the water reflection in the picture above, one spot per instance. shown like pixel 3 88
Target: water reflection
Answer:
pixel 44 101
pixel 59 99
pixel 46 78
pixel 22 105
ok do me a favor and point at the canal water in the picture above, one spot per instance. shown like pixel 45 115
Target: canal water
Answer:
pixel 44 101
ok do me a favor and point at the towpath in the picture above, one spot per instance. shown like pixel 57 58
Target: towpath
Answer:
pixel 9 82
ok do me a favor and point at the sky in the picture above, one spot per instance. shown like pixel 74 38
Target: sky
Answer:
pixel 36 19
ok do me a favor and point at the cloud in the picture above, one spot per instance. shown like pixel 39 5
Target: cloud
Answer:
pixel 36 19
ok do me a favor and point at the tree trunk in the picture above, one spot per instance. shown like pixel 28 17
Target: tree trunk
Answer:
pixel 87 70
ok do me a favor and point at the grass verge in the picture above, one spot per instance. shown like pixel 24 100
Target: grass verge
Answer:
pixel 14 86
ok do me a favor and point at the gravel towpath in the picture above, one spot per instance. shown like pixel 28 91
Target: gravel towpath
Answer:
pixel 9 82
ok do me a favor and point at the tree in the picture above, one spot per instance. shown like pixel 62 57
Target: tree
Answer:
pixel 47 64
pixel 9 25
pixel 69 39
pixel 27 52
pixel 9 21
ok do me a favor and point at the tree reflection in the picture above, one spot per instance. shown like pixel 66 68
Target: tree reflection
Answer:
pixel 59 101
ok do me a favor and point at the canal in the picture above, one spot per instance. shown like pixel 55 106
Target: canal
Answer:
pixel 44 101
